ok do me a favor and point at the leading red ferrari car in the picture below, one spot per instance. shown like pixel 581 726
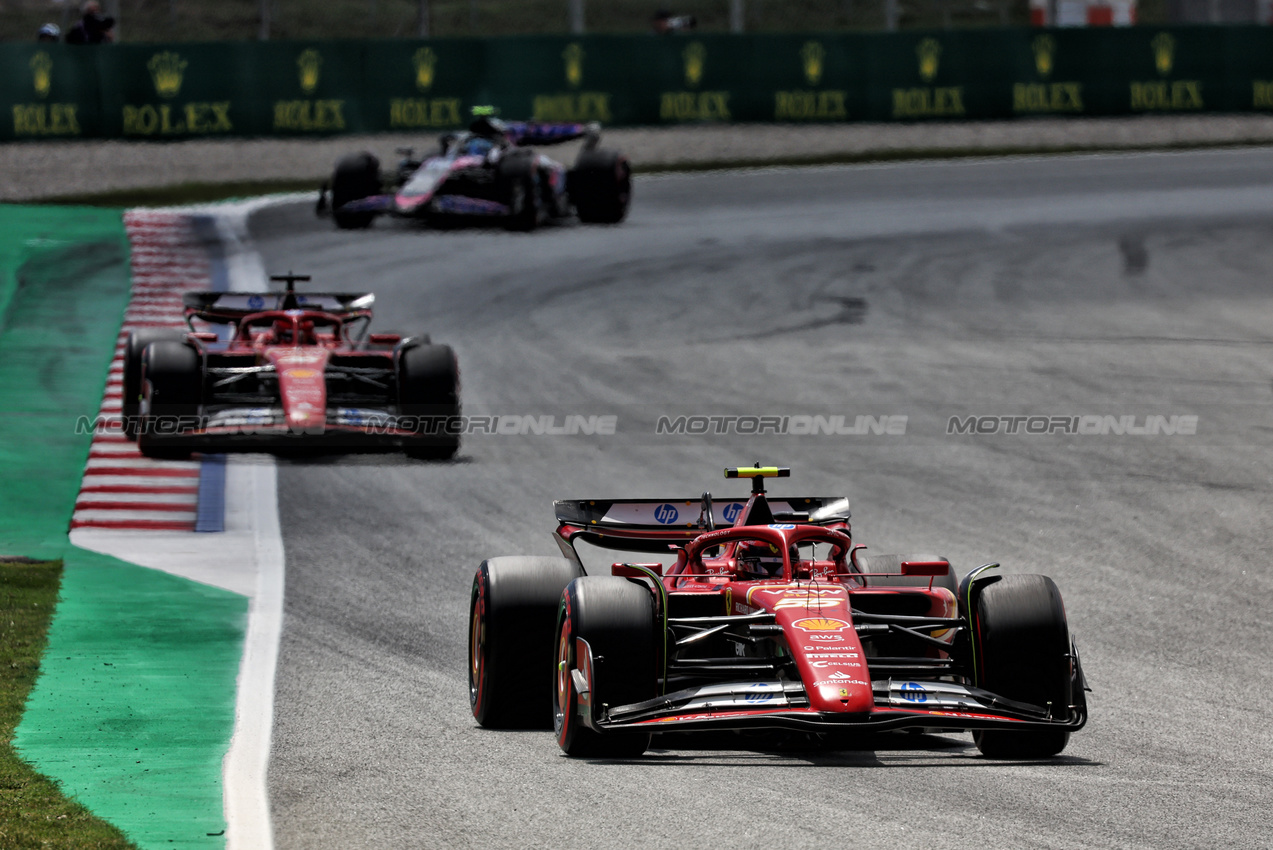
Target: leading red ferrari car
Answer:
pixel 777 621
pixel 288 371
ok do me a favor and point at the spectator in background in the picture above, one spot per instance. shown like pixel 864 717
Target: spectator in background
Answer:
pixel 49 32
pixel 665 23
pixel 93 28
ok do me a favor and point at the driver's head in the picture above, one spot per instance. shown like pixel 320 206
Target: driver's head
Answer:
pixel 759 559
pixel 476 146
pixel 283 332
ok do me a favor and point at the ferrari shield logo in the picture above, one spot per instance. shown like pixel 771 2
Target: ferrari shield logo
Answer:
pixel 1164 47
pixel 1044 47
pixel 166 70
pixel 424 60
pixel 695 58
pixel 811 56
pixel 929 52
pixel 308 64
pixel 573 56
pixel 42 73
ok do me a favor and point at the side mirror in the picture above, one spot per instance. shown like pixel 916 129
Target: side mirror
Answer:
pixel 925 568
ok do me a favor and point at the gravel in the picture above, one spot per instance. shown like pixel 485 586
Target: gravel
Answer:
pixel 50 168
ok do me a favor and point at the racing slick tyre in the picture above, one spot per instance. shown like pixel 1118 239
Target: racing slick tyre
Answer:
pixel 512 614
pixel 615 617
pixel 519 176
pixel 1022 645
pixel 172 385
pixel 600 187
pixel 429 391
pixel 357 176
pixel 133 348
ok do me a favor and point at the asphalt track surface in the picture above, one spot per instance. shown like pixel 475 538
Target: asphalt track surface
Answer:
pixel 1112 285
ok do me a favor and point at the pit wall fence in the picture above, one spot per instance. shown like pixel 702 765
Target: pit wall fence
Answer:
pixel 175 91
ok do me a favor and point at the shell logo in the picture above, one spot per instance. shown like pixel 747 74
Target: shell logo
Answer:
pixel 820 624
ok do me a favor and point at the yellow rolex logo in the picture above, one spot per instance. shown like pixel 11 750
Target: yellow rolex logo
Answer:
pixel 573 57
pixel 309 63
pixel 811 56
pixel 425 60
pixel 695 58
pixel 166 69
pixel 42 72
pixel 1164 47
pixel 1044 47
pixel 929 52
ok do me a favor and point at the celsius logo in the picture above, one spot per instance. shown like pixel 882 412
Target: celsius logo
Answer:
pixel 914 692
pixel 731 512
pixel 666 514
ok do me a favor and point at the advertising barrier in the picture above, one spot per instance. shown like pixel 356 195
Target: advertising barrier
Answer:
pixel 155 91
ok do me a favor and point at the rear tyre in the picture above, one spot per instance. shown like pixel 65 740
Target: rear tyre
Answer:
pixel 520 178
pixel 512 614
pixel 1022 643
pixel 429 390
pixel 600 187
pixel 133 348
pixel 172 386
pixel 357 176
pixel 616 618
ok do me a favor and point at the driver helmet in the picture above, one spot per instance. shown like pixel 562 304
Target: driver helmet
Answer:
pixel 476 146
pixel 283 332
pixel 760 559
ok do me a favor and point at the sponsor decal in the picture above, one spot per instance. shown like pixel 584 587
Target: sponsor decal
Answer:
pixel 844 692
pixel 820 624
pixel 666 514
pixel 839 681
pixel 914 692
pixel 301 373
pixel 255 302
pixel 822 665
pixel 758 695
pixel 827 638
pixel 425 61
pixel 806 602
pixel 833 655
pixel 308 66
pixel 782 526
pixel 731 512
pixel 166 70
pixel 42 73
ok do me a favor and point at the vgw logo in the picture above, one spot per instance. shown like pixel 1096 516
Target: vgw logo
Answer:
pixel 666 513
pixel 731 512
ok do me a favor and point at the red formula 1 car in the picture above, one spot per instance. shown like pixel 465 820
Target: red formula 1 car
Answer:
pixel 489 172
pixel 776 622
pixel 288 371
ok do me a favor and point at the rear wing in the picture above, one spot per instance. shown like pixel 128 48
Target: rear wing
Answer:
pixel 651 525
pixel 224 307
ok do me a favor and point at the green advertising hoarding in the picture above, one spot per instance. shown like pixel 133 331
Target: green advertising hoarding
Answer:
pixel 316 88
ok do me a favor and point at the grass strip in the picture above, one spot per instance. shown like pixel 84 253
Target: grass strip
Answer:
pixel 33 812
pixel 182 194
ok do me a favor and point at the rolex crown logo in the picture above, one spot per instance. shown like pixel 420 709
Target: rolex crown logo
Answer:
pixel 1044 49
pixel 167 69
pixel 929 52
pixel 695 58
pixel 573 56
pixel 308 64
pixel 425 60
pixel 42 73
pixel 1164 47
pixel 811 56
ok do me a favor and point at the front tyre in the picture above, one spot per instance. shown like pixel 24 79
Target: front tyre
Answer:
pixel 1023 650
pixel 615 617
pixel 429 393
pixel 357 176
pixel 512 612
pixel 172 382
